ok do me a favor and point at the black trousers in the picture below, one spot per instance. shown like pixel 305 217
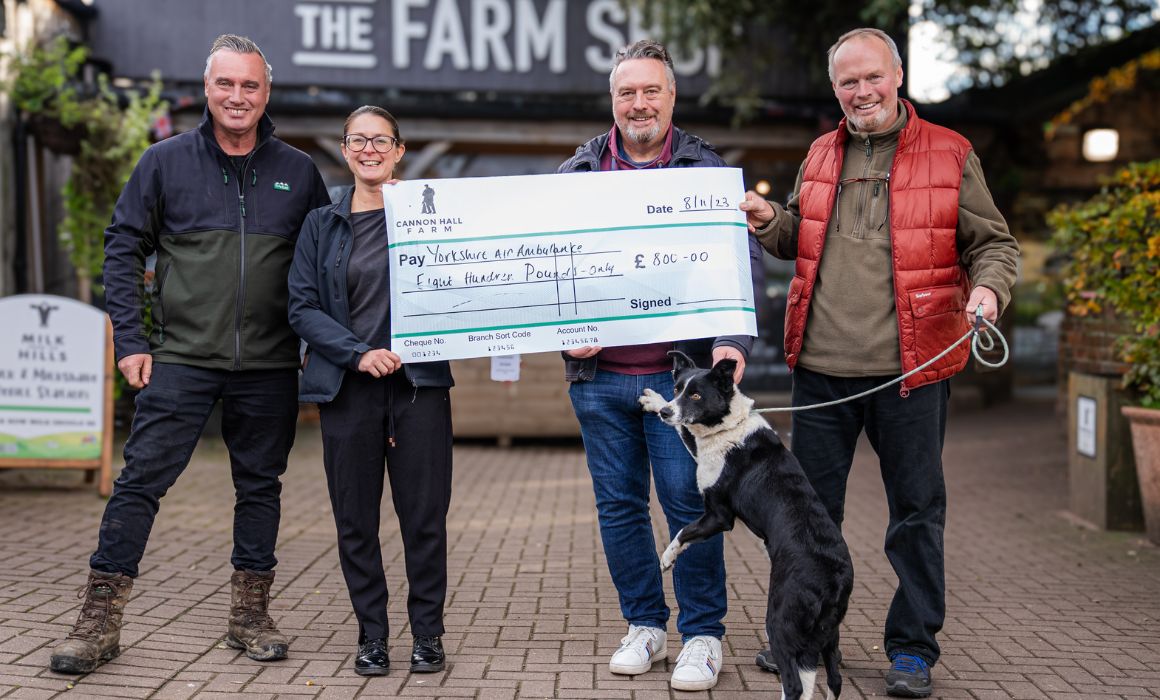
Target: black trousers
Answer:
pixel 259 412
pixel 356 427
pixel 907 435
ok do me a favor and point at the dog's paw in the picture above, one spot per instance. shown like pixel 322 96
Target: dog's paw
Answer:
pixel 669 556
pixel 652 401
pixel 667 560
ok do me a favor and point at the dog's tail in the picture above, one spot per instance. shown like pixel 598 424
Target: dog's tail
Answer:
pixel 831 657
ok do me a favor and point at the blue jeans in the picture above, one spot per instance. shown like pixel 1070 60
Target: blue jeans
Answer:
pixel 621 440
pixel 907 435
pixel 259 412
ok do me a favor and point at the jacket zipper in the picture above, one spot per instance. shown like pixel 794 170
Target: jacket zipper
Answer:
pixel 337 264
pixel 859 224
pixel 241 303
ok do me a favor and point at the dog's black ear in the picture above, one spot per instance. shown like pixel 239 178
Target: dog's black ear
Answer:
pixel 723 374
pixel 681 361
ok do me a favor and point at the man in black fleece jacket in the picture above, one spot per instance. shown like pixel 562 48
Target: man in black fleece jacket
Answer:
pixel 221 208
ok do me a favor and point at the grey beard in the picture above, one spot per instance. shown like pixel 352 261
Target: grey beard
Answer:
pixel 643 136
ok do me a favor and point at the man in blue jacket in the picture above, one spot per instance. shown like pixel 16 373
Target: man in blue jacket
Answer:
pixel 620 440
pixel 221 208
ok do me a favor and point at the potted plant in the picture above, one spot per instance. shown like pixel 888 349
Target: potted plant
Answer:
pixel 43 88
pixel 104 132
pixel 1113 245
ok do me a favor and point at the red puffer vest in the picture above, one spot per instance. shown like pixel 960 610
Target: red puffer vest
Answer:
pixel 930 286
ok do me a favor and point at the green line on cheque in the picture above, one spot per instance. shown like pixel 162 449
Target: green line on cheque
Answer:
pixel 45 409
pixel 573 322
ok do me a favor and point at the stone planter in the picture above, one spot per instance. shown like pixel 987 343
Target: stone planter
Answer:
pixel 1145 424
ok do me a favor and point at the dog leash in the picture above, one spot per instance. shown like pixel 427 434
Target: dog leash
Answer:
pixel 981 341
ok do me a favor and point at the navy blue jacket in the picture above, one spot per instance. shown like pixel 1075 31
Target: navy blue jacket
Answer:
pixel 224 238
pixel 689 151
pixel 320 308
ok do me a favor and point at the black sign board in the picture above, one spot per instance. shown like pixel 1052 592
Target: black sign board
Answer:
pixel 543 46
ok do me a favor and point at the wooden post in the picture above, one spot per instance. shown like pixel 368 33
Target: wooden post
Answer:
pixel 105 483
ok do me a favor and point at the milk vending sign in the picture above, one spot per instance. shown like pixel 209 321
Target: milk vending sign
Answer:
pixel 52 378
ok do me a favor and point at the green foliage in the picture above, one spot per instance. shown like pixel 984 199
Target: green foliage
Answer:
pixel 116 138
pixel 992 40
pixel 745 31
pixel 43 83
pixel 1113 242
pixel 995 42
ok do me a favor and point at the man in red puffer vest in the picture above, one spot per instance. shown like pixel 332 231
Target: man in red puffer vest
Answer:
pixel 896 241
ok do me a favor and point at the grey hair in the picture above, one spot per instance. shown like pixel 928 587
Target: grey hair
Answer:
pixel 237 44
pixel 645 48
pixel 864 31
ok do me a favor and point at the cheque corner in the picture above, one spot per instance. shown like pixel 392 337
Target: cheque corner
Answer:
pixel 566 232
pixel 569 322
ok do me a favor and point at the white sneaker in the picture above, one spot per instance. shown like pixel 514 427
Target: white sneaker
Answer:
pixel 698 664
pixel 639 649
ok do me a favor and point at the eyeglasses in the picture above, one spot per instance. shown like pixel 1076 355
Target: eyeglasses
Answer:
pixel 381 144
pixel 881 186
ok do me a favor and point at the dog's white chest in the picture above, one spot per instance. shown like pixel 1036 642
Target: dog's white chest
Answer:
pixel 713 449
pixel 710 462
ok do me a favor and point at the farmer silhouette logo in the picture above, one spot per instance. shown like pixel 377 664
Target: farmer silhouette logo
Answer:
pixel 428 200
pixel 45 309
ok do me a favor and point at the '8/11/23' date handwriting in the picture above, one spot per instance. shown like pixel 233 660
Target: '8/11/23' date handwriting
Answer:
pixel 706 202
pixel 693 202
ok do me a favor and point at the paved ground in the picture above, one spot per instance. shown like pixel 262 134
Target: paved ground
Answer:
pixel 1038 606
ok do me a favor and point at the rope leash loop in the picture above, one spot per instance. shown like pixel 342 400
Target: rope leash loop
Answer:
pixel 981 341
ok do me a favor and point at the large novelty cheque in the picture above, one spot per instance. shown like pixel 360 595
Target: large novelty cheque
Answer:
pixel 503 265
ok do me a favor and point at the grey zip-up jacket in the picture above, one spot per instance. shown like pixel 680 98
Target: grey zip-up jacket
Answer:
pixel 689 151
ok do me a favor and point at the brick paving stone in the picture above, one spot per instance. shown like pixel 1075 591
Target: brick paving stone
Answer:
pixel 29 693
pixel 1036 605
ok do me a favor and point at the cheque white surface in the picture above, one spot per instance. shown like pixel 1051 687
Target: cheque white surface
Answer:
pixel 503 265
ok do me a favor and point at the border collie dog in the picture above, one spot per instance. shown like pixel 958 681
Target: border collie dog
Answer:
pixel 744 471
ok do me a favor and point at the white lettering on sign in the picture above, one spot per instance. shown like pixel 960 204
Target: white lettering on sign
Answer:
pixel 336 35
pixel 540 41
pixel 507 36
pixel 405 30
pixel 603 18
pixel 446 38
pixel 491 19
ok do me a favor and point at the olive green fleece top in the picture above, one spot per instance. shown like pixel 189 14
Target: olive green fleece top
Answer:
pixel 852 329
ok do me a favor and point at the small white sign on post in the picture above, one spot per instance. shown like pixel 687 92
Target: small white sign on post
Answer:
pixel 55 385
pixel 505 368
pixel 1085 426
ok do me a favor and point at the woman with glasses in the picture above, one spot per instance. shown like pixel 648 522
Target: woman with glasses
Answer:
pixel 374 410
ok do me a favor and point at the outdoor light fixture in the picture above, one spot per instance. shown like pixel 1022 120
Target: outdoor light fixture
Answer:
pixel 762 187
pixel 1101 145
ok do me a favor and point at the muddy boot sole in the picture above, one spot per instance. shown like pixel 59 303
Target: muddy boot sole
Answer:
pixel 275 652
pixel 73 665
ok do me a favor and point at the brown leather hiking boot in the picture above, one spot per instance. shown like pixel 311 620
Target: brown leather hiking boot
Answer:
pixel 96 637
pixel 250 625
